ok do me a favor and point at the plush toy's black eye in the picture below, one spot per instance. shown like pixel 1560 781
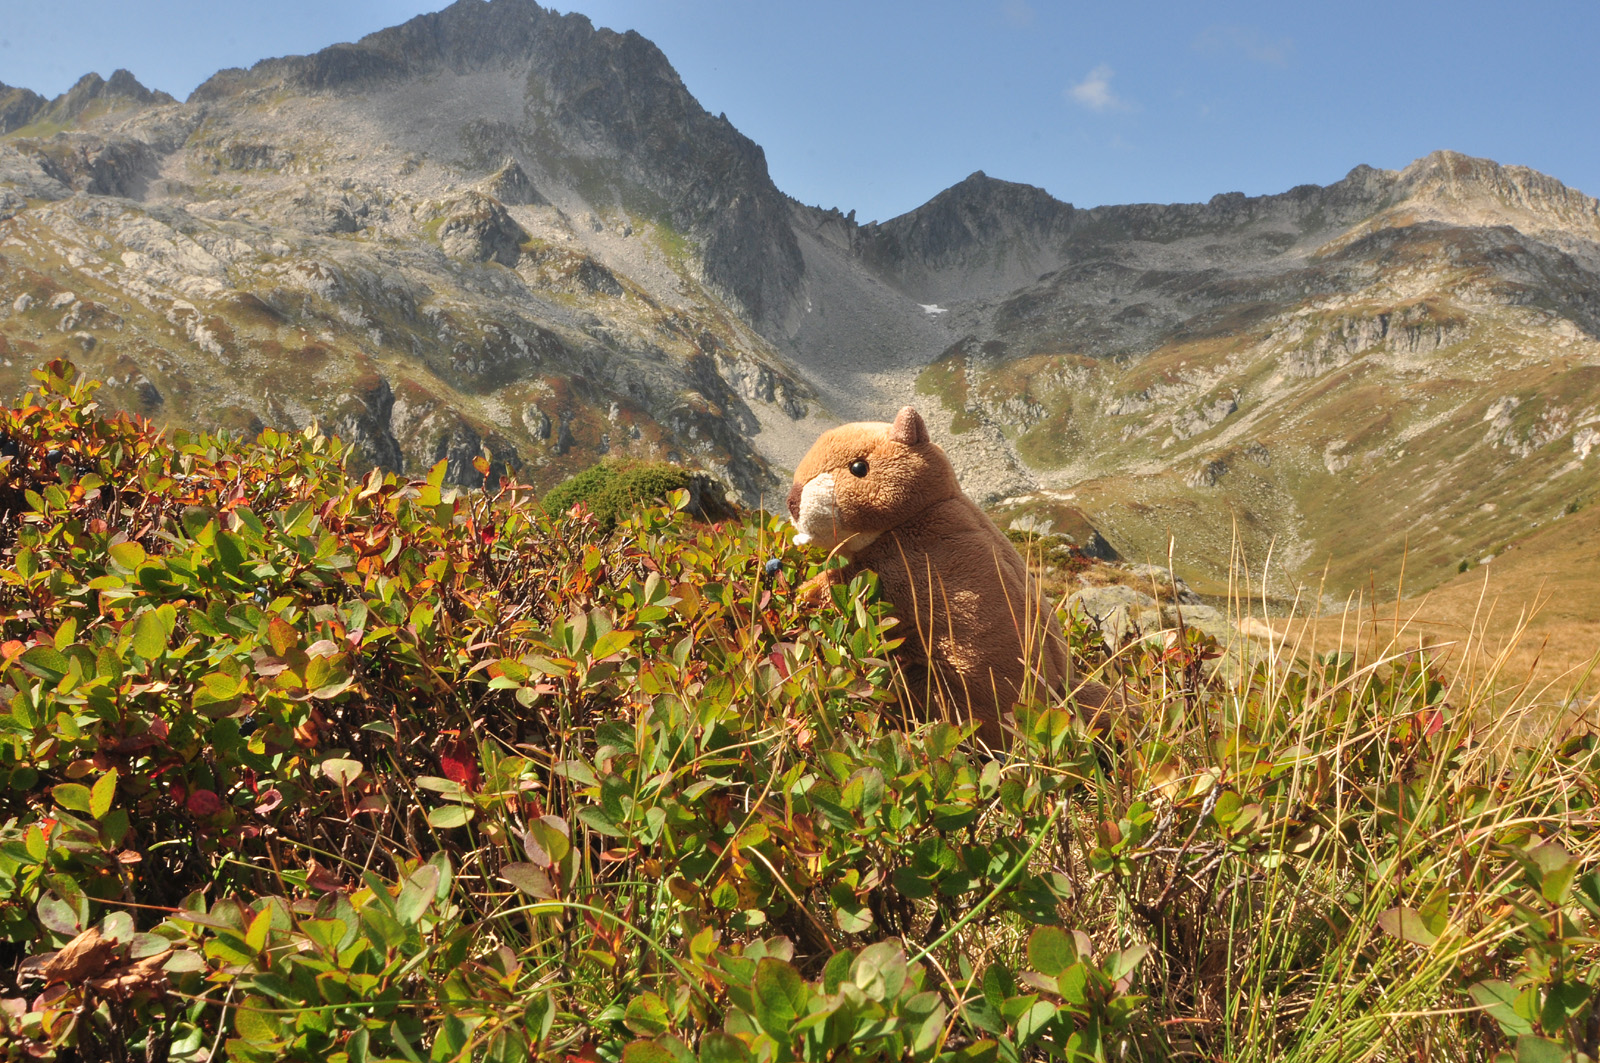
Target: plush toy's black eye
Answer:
pixel 858 467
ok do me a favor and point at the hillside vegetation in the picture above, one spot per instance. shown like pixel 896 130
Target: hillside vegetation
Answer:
pixel 304 764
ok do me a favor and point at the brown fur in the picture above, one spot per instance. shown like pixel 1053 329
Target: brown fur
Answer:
pixel 982 636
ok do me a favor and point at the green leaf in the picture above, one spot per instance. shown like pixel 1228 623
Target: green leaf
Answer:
pixel 324 933
pixel 780 998
pixel 646 1015
pixel 1034 1021
pixel 984 1051
pixel 611 642
pixel 1122 964
pixel 342 771
pixel 252 1022
pixel 58 915
pixel 1531 1048
pixel 647 1052
pixel 880 971
pixel 46 662
pixel 529 879
pixel 1557 867
pixel 260 926
pixel 717 1047
pixel 1499 1000
pixel 72 795
pixel 1073 985
pixel 596 820
pixel 127 555
pixel 36 844
pixel 863 792
pixel 1562 1001
pixel 852 916
pixel 1051 950
pixel 1407 924
pixel 417 894
pixel 446 816
pixel 185 961
pixel 401 1042
pixel 150 633
pixel 550 835
pixel 104 792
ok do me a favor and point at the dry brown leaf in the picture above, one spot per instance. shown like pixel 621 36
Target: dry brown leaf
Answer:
pixel 139 976
pixel 83 957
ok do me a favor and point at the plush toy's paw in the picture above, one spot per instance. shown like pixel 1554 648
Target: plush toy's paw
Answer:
pixel 817 590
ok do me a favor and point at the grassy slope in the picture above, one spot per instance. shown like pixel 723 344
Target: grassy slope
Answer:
pixel 1533 610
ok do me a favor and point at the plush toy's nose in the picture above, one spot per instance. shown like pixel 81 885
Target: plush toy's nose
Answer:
pixel 794 500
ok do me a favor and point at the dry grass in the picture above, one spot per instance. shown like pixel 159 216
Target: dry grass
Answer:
pixel 1532 616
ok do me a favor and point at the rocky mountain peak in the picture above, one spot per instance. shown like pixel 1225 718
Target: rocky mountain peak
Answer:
pixel 122 90
pixel 601 110
pixel 1449 179
pixel 18 107
pixel 981 225
pixel 979 209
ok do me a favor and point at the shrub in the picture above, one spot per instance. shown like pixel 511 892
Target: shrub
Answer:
pixel 301 765
pixel 612 490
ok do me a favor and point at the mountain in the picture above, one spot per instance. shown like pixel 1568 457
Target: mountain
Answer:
pixel 1397 369
pixel 499 230
pixel 494 229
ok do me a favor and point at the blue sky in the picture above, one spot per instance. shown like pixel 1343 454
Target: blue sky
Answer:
pixel 876 106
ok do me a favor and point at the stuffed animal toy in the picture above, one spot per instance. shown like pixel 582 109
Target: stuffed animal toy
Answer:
pixel 885 496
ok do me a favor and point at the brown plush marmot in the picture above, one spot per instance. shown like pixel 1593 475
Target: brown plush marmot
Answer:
pixel 982 637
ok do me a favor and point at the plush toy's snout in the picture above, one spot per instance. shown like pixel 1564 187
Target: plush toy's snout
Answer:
pixel 816 512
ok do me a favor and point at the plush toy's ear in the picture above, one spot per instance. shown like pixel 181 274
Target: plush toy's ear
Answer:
pixel 908 428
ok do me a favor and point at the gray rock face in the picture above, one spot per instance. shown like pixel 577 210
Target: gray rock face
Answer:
pixel 18 107
pixel 1118 611
pixel 119 166
pixel 511 186
pixel 477 228
pixel 592 94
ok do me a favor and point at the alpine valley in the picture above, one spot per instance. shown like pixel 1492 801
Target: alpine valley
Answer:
pixel 499 230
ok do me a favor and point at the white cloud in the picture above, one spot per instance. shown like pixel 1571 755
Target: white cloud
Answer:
pixel 1094 91
pixel 1246 41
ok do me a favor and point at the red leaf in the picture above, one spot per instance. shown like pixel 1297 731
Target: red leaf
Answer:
pixel 203 803
pixel 269 801
pixel 459 762
pixel 776 658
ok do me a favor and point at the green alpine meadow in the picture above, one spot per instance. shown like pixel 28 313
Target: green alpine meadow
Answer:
pixel 303 763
